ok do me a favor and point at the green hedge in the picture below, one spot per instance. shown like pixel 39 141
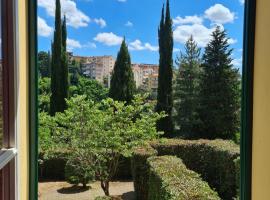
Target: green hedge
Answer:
pixel 214 160
pixel 140 171
pixel 169 179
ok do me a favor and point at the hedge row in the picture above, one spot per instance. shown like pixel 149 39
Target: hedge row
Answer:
pixel 214 160
pixel 54 168
pixel 140 171
pixel 169 179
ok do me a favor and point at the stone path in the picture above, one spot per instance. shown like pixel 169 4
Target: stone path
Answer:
pixel 65 191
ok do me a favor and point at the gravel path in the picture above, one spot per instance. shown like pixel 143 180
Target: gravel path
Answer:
pixel 65 191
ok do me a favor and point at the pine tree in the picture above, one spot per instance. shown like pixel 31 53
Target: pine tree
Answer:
pixel 122 83
pixel 187 88
pixel 164 97
pixel 219 90
pixel 59 76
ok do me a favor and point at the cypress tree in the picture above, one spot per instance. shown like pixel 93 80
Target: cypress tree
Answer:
pixel 187 88
pixel 122 83
pixel 164 97
pixel 219 90
pixel 58 74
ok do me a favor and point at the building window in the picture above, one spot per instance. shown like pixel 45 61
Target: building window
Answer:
pixel 7 99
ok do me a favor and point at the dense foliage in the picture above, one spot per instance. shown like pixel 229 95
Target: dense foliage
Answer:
pixel 219 90
pixel 96 135
pixel 186 95
pixel 169 179
pixel 122 83
pixel 164 96
pixel 44 60
pixel 59 71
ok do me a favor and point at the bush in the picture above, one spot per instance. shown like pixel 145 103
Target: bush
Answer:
pixel 214 160
pixel 169 179
pixel 140 171
pixel 237 168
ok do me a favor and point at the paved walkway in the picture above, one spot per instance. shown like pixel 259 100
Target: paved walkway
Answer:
pixel 65 191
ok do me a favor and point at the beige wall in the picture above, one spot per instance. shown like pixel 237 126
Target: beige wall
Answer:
pixel 22 109
pixel 261 117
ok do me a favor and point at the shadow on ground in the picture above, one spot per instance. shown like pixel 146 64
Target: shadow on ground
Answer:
pixel 128 196
pixel 73 189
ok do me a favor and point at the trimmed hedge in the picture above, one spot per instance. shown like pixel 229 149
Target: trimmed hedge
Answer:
pixel 214 160
pixel 169 179
pixel 140 171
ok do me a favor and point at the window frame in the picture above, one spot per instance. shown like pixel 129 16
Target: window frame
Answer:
pixel 9 63
pixel 246 105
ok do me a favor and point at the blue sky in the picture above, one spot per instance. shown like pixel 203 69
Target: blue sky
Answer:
pixel 96 27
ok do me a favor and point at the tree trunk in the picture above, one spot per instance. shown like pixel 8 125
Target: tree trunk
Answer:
pixel 105 187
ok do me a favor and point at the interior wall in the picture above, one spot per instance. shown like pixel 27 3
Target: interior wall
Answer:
pixel 22 109
pixel 261 115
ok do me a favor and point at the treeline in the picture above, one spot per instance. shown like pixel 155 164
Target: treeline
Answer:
pixel 201 101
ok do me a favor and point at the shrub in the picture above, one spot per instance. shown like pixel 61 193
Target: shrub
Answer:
pixel 237 169
pixel 169 179
pixel 214 160
pixel 140 171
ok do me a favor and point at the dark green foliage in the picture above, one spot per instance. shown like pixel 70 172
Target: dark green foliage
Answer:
pixel 186 89
pixel 140 171
pixel 122 83
pixel 93 90
pixel 237 167
pixel 164 96
pixel 59 74
pixel 219 90
pixel 213 159
pixel 169 179
pixel 44 90
pixel 44 59
pixel 74 73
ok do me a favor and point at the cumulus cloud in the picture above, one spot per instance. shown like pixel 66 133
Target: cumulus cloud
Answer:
pixel 242 2
pixel 137 45
pixel 188 20
pixel 44 29
pixel 129 24
pixel 219 14
pixel 73 44
pixel 75 17
pixel 109 39
pixel 200 33
pixel 232 41
pixel 237 62
pixel 101 22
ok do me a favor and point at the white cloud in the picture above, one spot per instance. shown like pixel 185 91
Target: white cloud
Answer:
pixel 44 29
pixel 200 33
pixel 122 1
pixel 237 62
pixel 73 44
pixel 90 45
pixel 219 14
pixel 109 39
pixel 188 20
pixel 75 17
pixel 232 41
pixel 129 24
pixel 242 2
pixel 101 22
pixel 137 45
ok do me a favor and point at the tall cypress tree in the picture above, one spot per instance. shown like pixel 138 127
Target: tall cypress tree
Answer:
pixel 122 83
pixel 219 90
pixel 187 89
pixel 58 75
pixel 164 97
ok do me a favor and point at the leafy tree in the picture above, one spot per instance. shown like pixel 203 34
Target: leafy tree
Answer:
pixel 122 83
pixel 44 88
pixel 164 96
pixel 97 134
pixel 74 71
pixel 92 89
pixel 187 88
pixel 44 63
pixel 59 75
pixel 219 90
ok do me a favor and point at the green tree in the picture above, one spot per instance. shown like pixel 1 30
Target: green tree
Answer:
pixel 59 74
pixel 44 88
pixel 187 89
pixel 97 134
pixel 219 90
pixel 44 63
pixel 164 96
pixel 122 83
